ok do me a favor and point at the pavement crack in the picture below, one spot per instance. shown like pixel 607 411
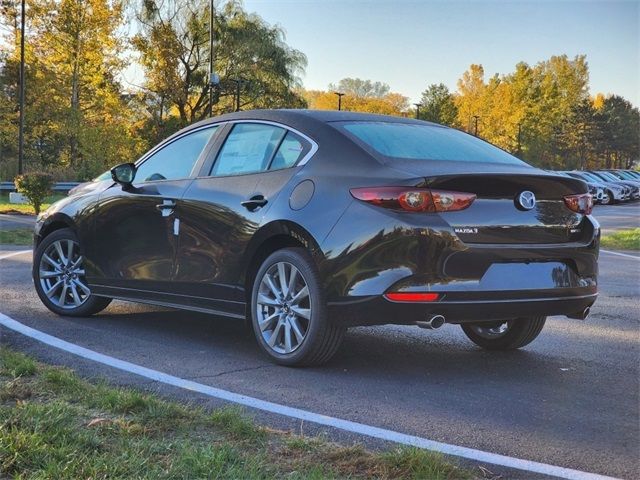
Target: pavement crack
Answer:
pixel 227 372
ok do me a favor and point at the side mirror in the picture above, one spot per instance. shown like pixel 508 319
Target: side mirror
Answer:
pixel 124 174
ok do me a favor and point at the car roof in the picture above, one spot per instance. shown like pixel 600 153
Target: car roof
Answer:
pixel 306 118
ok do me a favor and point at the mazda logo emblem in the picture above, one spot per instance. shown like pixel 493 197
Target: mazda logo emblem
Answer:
pixel 526 200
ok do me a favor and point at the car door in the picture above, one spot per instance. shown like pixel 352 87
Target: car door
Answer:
pixel 134 235
pixel 222 209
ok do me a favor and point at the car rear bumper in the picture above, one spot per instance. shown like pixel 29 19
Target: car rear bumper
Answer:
pixel 378 310
pixel 473 281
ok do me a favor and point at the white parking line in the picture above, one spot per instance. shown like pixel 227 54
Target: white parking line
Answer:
pixel 620 254
pixel 13 254
pixel 347 425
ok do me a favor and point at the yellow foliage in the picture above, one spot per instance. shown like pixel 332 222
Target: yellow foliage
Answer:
pixel 390 104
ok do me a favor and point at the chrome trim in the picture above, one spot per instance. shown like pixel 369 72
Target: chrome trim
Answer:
pixel 517 300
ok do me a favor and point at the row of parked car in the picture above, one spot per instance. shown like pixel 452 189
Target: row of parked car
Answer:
pixel 609 186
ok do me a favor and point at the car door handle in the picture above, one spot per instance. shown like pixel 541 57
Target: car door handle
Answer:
pixel 255 202
pixel 166 207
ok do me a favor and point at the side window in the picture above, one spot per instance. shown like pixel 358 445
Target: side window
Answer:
pixel 176 160
pixel 248 148
pixel 291 150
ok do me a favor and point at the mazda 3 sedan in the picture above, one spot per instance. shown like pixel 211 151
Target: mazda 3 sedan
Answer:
pixel 305 223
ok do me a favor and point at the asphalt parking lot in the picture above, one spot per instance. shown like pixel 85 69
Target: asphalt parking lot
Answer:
pixel 570 399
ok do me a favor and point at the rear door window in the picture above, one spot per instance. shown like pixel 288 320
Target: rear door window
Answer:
pixel 249 148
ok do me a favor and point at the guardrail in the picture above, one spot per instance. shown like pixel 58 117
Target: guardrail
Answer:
pixel 57 187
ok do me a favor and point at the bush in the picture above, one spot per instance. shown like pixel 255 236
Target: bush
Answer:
pixel 35 186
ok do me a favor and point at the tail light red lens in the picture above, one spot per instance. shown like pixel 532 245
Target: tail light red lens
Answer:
pixel 581 203
pixel 414 199
pixel 412 296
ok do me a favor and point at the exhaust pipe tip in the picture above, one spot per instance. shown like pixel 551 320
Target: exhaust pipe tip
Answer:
pixel 434 321
pixel 581 315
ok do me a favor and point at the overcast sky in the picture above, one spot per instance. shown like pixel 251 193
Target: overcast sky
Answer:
pixel 410 44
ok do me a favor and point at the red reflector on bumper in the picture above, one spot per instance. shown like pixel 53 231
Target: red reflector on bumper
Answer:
pixel 411 297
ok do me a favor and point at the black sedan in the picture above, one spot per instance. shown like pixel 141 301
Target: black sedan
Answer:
pixel 308 222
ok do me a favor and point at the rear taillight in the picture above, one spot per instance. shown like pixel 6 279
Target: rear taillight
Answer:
pixel 414 199
pixel 581 203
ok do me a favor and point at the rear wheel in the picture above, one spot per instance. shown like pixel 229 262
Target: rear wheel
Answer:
pixel 505 335
pixel 59 276
pixel 288 311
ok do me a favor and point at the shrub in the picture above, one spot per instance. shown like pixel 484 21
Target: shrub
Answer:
pixel 35 186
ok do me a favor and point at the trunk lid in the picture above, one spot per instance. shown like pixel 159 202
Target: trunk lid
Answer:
pixel 498 215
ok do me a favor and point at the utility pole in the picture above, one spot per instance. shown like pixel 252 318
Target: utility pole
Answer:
pixel 340 95
pixel 475 127
pixel 21 94
pixel 238 85
pixel 418 105
pixel 519 134
pixel 239 82
pixel 214 79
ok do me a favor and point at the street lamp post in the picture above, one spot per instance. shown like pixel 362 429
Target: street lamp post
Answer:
pixel 214 80
pixel 340 95
pixel 21 94
pixel 519 136
pixel 475 124
pixel 239 82
pixel 418 105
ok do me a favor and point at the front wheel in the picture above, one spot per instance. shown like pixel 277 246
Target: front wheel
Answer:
pixel 59 277
pixel 288 311
pixel 505 334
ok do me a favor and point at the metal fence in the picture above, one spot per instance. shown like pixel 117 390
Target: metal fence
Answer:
pixel 57 187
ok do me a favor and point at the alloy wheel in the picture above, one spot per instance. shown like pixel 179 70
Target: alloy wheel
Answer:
pixel 62 276
pixel 283 308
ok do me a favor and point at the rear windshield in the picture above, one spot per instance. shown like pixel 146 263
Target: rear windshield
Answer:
pixel 426 142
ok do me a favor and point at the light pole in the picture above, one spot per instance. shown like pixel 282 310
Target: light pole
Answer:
pixel 239 82
pixel 21 94
pixel 519 134
pixel 475 127
pixel 418 105
pixel 214 80
pixel 340 95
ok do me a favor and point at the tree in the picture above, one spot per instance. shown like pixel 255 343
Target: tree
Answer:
pixel 389 104
pixel 524 111
pixel 470 99
pixel 35 187
pixel 574 140
pixel 358 88
pixel 621 123
pixel 438 105
pixel 173 47
pixel 73 57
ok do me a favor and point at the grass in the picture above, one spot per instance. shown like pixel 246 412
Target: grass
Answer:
pixel 18 236
pixel 622 240
pixel 6 207
pixel 56 425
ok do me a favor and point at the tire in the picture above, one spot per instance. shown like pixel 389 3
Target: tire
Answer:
pixel 516 333
pixel 72 297
pixel 607 198
pixel 283 310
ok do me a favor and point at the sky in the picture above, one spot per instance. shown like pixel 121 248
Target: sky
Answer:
pixel 410 44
